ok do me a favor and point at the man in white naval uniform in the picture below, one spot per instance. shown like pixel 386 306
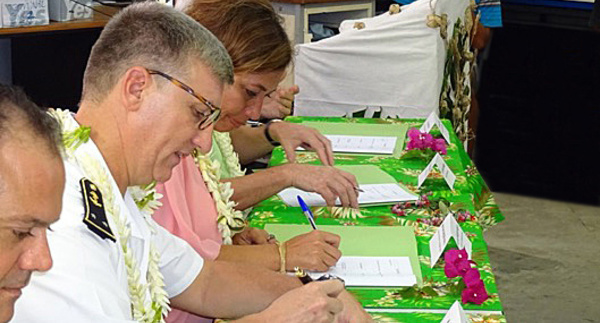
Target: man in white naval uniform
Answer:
pixel 151 92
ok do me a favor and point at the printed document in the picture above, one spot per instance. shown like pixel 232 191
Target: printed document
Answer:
pixel 372 194
pixel 372 271
pixel 362 144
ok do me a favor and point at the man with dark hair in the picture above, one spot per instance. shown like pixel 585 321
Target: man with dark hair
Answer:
pixel 32 180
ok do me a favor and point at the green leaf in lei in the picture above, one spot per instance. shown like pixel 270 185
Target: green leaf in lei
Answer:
pixel 73 139
pixel 148 198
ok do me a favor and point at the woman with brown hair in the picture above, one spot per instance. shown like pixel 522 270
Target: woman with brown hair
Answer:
pixel 204 199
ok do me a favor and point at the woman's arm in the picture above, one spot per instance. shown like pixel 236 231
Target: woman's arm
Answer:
pixel 316 250
pixel 250 189
pixel 250 143
pixel 331 183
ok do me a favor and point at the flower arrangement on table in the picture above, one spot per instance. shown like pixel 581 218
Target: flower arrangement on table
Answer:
pixel 471 287
pixel 435 210
pixel 424 145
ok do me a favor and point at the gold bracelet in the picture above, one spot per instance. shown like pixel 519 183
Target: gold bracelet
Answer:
pixel 282 250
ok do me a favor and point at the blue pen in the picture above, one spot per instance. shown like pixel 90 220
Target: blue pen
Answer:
pixel 307 213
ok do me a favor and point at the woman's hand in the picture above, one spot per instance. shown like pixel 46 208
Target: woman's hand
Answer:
pixel 279 103
pixel 292 136
pixel 252 235
pixel 316 251
pixel 331 183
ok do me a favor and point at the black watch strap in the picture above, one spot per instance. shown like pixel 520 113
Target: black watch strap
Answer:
pixel 305 278
pixel 302 275
pixel 268 135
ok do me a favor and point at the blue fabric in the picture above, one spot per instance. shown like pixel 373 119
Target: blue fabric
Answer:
pixel 491 14
pixel 554 3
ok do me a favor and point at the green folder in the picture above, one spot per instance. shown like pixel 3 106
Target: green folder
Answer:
pixel 368 174
pixel 366 241
pixel 363 129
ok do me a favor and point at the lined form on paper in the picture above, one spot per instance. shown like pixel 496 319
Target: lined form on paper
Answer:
pixel 372 194
pixel 362 144
pixel 373 271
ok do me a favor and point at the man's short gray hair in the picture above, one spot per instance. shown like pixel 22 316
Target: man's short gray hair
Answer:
pixel 154 36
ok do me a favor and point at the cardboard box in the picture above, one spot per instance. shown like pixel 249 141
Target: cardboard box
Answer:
pixel 23 13
pixel 65 10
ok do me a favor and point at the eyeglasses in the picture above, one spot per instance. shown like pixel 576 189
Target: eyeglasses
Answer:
pixel 206 119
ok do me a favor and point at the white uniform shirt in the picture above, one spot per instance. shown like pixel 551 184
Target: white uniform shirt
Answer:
pixel 88 280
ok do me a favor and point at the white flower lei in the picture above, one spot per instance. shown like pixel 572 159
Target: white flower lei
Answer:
pixel 232 160
pixel 159 307
pixel 229 220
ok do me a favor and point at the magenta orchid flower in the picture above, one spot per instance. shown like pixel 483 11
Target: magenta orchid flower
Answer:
pixel 472 277
pixel 457 263
pixel 454 255
pixel 414 133
pixel 475 294
pixel 439 145
pixel 457 268
pixel 422 140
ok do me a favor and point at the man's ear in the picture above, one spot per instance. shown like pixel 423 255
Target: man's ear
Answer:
pixel 134 83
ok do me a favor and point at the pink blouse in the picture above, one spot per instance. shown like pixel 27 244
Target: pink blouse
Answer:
pixel 189 212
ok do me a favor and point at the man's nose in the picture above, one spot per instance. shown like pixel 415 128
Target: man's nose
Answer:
pixel 203 139
pixel 37 255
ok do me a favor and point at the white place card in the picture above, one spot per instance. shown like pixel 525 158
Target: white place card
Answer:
pixel 423 176
pixel 449 228
pixel 447 173
pixel 433 120
pixel 456 314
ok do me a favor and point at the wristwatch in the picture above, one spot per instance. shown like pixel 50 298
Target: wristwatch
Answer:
pixel 270 139
pixel 305 278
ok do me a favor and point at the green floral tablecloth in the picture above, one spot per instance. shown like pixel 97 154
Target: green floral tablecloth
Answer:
pixel 470 193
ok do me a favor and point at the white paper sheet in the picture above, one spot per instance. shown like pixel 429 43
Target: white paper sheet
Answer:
pixel 372 271
pixel 362 144
pixel 372 194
